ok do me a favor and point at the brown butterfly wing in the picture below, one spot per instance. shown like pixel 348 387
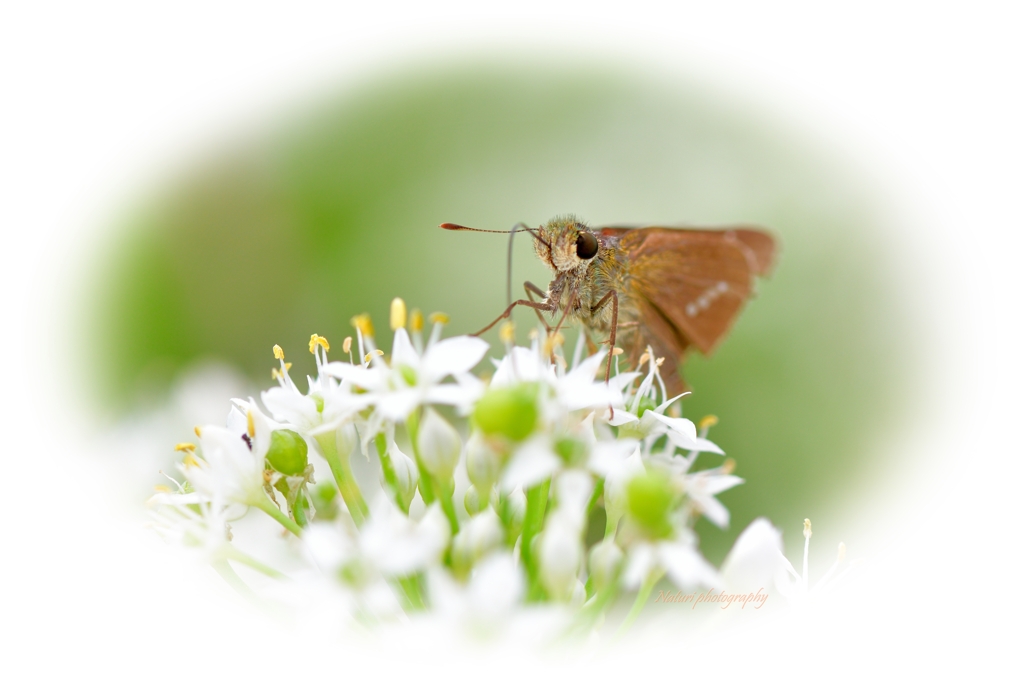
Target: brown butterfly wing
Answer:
pixel 689 285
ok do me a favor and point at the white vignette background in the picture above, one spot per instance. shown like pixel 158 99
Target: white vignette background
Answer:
pixel 100 101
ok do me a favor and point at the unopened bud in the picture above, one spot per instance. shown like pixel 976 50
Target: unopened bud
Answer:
pixel 440 445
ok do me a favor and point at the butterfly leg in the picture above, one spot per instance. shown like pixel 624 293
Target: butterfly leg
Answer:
pixel 536 305
pixel 532 289
pixel 614 296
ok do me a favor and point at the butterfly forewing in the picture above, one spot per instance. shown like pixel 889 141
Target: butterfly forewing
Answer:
pixel 697 280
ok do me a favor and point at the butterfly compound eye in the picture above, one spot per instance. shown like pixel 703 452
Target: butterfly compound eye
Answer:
pixel 586 245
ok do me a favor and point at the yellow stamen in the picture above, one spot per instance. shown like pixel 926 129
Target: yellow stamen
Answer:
pixel 277 374
pixel 659 361
pixel 160 488
pixel 807 528
pixel 708 421
pixel 346 345
pixel 371 354
pixel 553 342
pixel 643 359
pixel 185 446
pixel 439 318
pixel 729 466
pixel 842 552
pixel 416 320
pixel 316 340
pixel 363 323
pixel 190 461
pixel 198 431
pixel 278 352
pixel 250 423
pixel 507 332
pixel 398 314
pixel 533 333
pixel 617 351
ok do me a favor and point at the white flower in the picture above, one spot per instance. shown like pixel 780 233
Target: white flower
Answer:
pixel 232 464
pixel 700 487
pixel 395 389
pixel 572 390
pixel 755 560
pixel 488 602
pixel 397 545
pixel 324 407
pixel 185 519
pixel 795 586
pixel 678 558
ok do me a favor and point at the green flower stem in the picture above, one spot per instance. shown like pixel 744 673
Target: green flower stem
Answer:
pixel 267 505
pixel 536 505
pixel 594 610
pixel 641 599
pixel 413 589
pixel 343 477
pixel 445 493
pixel 234 580
pixel 388 468
pixel 426 482
pixel 230 552
pixel 596 496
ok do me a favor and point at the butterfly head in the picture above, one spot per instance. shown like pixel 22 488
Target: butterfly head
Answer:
pixel 565 243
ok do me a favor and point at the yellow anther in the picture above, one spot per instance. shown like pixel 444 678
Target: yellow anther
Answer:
pixel 533 333
pixel 160 488
pixel 807 528
pixel 617 351
pixel 708 421
pixel 439 318
pixel 198 431
pixel 363 323
pixel 275 374
pixel 643 359
pixel 185 446
pixel 659 361
pixel 250 423
pixel 346 345
pixel 842 552
pixel 416 320
pixel 316 340
pixel 371 354
pixel 507 332
pixel 190 461
pixel 398 314
pixel 729 466
pixel 278 352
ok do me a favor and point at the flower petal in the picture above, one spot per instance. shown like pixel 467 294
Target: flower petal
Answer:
pixel 453 356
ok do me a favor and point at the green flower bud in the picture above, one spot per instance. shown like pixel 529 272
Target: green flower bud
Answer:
pixel 646 403
pixel 473 501
pixel 571 451
pixel 508 411
pixel 287 452
pixel 649 500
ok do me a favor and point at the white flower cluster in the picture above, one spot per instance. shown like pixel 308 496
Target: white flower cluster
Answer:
pixel 553 487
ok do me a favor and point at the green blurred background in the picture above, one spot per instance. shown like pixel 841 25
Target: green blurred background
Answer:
pixel 334 211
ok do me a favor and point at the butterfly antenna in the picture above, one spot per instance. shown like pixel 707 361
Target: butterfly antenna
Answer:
pixel 511 241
